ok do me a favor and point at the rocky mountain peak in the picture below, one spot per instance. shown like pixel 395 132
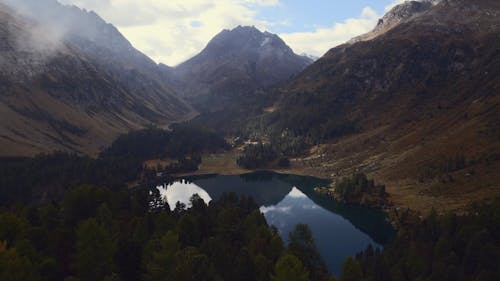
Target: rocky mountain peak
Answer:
pixel 247 39
pixel 395 16
pixel 235 62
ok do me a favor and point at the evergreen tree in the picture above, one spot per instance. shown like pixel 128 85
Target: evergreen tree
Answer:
pixel 191 265
pixel 160 264
pixel 289 268
pixel 95 250
pixel 351 271
pixel 14 267
pixel 302 246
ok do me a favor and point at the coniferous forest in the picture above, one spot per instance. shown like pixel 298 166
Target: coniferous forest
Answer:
pixel 94 233
pixel 446 247
pixel 98 229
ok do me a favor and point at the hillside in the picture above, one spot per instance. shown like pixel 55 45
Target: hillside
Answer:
pixel 417 107
pixel 70 81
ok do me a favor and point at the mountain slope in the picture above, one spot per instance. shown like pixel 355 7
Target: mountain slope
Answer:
pixel 416 106
pixel 70 81
pixel 397 15
pixel 234 63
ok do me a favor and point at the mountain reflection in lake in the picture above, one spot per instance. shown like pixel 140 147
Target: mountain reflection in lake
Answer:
pixel 339 230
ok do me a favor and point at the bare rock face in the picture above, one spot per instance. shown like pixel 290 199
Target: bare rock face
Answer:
pixel 237 61
pixel 70 81
pixel 395 16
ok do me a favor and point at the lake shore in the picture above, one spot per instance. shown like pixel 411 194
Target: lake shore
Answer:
pixel 396 208
pixel 401 198
pixel 225 164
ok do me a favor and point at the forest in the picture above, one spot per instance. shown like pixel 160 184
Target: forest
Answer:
pixel 257 156
pixel 48 175
pixel 73 218
pixel 446 247
pixel 68 217
pixel 95 233
pixel 361 190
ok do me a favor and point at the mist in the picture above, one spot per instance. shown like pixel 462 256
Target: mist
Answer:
pixel 43 34
pixel 51 25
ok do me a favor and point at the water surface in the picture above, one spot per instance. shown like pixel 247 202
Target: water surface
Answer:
pixel 339 230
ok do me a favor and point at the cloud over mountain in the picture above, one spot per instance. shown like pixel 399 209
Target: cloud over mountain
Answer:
pixel 173 31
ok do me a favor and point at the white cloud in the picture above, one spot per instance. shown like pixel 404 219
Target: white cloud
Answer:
pixel 171 31
pixel 396 2
pixel 319 41
pixel 182 191
pixel 277 209
pixel 264 2
pixel 296 193
pixel 175 30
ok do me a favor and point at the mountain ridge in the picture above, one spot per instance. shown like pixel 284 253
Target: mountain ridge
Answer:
pixel 398 14
pixel 72 82
pixel 385 106
pixel 236 62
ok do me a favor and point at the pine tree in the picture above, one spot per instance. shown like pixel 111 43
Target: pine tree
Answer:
pixel 289 268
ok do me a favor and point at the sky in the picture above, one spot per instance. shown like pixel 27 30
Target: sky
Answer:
pixel 172 31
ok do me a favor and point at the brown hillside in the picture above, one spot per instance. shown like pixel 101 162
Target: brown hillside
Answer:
pixel 77 90
pixel 423 99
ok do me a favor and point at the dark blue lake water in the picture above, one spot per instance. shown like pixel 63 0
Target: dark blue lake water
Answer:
pixel 339 230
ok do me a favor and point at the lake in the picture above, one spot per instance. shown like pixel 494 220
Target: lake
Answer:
pixel 339 230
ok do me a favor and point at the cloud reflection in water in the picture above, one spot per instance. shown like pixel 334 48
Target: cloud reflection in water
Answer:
pixel 182 191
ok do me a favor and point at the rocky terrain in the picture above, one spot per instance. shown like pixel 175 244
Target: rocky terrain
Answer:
pixel 70 81
pixel 397 15
pixel 420 103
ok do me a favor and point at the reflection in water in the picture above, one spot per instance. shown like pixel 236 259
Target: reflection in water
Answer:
pixel 335 236
pixel 339 230
pixel 264 188
pixel 182 191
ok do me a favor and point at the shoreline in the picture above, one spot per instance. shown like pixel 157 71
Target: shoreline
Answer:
pixel 225 164
pixel 404 197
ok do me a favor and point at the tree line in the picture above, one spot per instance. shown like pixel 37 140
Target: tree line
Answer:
pixel 46 176
pixel 361 190
pixel 95 234
pixel 447 247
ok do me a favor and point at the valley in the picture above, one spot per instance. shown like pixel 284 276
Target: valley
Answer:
pixel 397 104
pixel 377 161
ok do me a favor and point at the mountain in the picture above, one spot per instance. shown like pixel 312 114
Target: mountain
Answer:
pixel 417 107
pixel 236 62
pixel 70 81
pixel 397 15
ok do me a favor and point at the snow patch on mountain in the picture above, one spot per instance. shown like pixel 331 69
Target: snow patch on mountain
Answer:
pixel 266 41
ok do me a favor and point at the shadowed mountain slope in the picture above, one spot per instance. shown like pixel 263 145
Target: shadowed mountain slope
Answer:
pixel 236 63
pixel 416 106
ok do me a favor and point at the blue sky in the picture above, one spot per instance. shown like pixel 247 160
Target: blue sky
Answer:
pixel 308 15
pixel 171 31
